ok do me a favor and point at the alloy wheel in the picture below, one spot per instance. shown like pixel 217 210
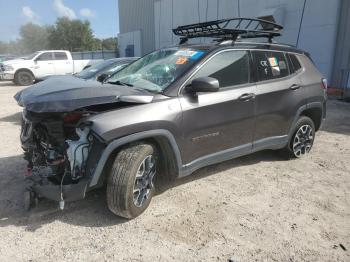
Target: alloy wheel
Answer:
pixel 25 78
pixel 144 180
pixel 303 140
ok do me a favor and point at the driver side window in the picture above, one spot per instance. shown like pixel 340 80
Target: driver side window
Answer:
pixel 230 68
pixel 44 57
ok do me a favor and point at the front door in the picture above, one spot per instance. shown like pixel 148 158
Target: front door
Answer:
pixel 44 65
pixel 223 120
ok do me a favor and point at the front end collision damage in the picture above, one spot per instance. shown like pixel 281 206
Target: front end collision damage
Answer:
pixel 62 171
pixel 59 144
pixel 61 151
pixel 67 152
pixel 84 162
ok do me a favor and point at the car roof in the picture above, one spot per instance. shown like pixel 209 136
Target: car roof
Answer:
pixel 245 45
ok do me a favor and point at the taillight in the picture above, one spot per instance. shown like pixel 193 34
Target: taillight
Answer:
pixel 324 83
pixel 72 118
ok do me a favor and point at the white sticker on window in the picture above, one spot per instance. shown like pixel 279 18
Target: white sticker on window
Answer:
pixel 187 53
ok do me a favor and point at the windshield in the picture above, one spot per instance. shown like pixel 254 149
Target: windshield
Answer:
pixel 94 69
pixel 29 57
pixel 156 71
pixel 110 70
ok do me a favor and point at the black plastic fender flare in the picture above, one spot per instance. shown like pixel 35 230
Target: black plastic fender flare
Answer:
pixel 112 146
pixel 299 113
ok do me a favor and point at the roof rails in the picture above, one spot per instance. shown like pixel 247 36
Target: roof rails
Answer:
pixel 230 29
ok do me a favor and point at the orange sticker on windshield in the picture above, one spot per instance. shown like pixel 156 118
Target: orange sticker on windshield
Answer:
pixel 181 60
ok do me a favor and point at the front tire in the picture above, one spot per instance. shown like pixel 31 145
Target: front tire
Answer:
pixel 302 139
pixel 130 185
pixel 24 78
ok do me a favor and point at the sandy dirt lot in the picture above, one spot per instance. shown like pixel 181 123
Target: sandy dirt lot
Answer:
pixel 255 208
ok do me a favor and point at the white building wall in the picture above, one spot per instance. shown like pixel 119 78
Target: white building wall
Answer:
pixel 130 38
pixel 317 35
pixel 136 25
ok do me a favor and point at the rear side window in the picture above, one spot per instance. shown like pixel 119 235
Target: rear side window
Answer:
pixel 230 68
pixel 295 62
pixel 270 65
pixel 61 56
pixel 44 57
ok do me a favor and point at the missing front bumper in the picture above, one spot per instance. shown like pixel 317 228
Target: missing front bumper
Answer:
pixel 71 192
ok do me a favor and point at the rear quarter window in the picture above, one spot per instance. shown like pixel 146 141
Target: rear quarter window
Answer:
pixel 61 56
pixel 295 62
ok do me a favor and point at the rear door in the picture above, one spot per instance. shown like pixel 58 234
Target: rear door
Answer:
pixel 62 64
pixel 44 65
pixel 217 121
pixel 279 95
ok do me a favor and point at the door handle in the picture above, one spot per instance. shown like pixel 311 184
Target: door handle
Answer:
pixel 294 87
pixel 246 97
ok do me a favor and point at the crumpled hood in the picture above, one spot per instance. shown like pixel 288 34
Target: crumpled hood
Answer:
pixel 68 93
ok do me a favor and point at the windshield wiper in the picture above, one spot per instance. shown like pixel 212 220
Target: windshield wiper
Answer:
pixel 119 83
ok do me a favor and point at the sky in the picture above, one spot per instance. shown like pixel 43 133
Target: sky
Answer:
pixel 102 14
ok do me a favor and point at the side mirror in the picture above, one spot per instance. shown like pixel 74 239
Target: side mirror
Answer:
pixel 204 84
pixel 101 78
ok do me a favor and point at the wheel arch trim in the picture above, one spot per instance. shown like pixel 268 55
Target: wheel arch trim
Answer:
pixel 300 111
pixel 115 144
pixel 24 69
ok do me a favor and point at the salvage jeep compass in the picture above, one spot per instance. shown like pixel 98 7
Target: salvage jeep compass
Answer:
pixel 170 113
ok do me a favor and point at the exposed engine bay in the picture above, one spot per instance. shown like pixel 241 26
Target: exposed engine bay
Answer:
pixel 57 148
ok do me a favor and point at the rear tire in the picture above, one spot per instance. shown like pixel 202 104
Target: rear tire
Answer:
pixel 302 139
pixel 24 78
pixel 130 185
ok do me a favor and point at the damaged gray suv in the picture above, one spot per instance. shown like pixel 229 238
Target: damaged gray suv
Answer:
pixel 168 114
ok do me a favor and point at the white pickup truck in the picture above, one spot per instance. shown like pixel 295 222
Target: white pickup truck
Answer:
pixel 25 70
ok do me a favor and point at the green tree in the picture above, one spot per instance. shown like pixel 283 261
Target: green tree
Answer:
pixel 110 43
pixel 72 35
pixel 4 47
pixel 33 37
pixel 97 44
pixel 12 47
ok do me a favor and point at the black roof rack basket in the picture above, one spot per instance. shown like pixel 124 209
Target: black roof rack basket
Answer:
pixel 230 29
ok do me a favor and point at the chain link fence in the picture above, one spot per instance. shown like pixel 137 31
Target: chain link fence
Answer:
pixel 101 54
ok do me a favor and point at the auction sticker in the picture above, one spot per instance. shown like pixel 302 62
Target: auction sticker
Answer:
pixel 181 60
pixel 273 61
pixel 191 54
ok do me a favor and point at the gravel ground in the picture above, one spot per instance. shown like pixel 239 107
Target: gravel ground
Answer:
pixel 255 208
